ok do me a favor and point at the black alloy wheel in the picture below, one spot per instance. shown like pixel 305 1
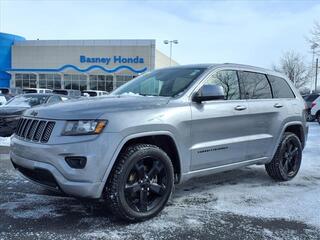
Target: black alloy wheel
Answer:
pixel 140 183
pixel 146 184
pixel 286 162
pixel 290 158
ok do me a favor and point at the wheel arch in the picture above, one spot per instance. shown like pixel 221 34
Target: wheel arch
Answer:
pixel 163 139
pixel 297 129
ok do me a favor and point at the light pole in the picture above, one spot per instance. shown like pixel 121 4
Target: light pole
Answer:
pixel 170 42
pixel 313 47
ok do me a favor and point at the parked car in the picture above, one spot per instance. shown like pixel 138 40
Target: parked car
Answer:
pixel 11 112
pixel 161 128
pixel 10 92
pixel 68 92
pixel 315 109
pixel 36 90
pixel 93 93
pixel 3 99
pixel 309 99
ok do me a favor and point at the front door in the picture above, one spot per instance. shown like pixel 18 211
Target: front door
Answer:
pixel 219 127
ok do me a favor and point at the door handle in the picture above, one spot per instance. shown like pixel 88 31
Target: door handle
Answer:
pixel 240 108
pixel 278 105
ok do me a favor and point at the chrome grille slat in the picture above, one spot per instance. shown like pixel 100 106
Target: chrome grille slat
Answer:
pixel 47 132
pixel 22 126
pixel 32 129
pixel 36 130
pixel 26 128
pixel 39 131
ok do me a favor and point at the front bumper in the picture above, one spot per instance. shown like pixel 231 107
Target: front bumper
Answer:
pixel 45 163
pixel 49 177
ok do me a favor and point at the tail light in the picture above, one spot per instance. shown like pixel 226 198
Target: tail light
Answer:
pixel 313 104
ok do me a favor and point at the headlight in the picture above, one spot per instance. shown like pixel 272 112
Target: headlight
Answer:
pixel 84 127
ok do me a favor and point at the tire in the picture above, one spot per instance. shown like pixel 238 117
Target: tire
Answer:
pixel 310 118
pixel 286 162
pixel 141 183
pixel 318 118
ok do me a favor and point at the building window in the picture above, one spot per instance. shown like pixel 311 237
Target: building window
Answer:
pixel 75 81
pixel 101 82
pixel 50 81
pixel 122 79
pixel 26 80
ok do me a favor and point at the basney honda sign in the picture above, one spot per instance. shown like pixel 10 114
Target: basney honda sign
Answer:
pixel 109 60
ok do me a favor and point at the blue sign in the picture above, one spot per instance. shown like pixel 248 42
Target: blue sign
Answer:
pixel 114 59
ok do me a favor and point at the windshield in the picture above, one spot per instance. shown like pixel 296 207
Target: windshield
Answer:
pixel 166 82
pixel 27 101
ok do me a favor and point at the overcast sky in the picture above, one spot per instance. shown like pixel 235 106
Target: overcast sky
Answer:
pixel 248 32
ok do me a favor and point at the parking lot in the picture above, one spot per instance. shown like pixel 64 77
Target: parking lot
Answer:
pixel 240 204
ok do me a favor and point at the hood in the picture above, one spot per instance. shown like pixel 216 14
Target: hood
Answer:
pixel 93 108
pixel 9 111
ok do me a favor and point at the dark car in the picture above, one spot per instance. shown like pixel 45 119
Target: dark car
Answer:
pixel 309 100
pixel 10 92
pixel 10 112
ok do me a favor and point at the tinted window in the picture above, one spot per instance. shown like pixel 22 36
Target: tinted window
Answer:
pixel 311 97
pixel 60 92
pixel 254 85
pixel 280 87
pixel 229 81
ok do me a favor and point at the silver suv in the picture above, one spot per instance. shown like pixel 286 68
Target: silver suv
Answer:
pixel 163 127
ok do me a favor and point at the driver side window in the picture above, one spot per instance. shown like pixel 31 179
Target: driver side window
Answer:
pixel 228 80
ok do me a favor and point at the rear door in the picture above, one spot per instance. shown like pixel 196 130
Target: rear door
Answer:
pixel 266 114
pixel 218 126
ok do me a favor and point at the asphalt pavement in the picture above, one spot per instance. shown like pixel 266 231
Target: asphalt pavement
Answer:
pixel 240 204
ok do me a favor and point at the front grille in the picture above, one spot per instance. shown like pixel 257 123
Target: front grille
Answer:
pixel 34 129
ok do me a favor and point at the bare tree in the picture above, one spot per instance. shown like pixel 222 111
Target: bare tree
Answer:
pixel 315 36
pixel 293 65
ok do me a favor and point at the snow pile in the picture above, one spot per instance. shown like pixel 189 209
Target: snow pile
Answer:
pixel 5 141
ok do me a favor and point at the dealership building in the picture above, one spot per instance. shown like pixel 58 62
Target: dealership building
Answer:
pixel 76 64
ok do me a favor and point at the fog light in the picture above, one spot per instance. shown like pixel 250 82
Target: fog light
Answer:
pixel 76 161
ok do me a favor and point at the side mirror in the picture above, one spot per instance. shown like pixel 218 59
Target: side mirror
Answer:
pixel 209 92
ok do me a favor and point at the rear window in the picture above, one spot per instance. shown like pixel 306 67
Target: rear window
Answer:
pixel 254 85
pixel 30 91
pixel 311 97
pixel 63 92
pixel 4 90
pixel 91 94
pixel 280 87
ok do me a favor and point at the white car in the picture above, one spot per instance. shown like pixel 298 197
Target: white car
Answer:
pixel 315 109
pixel 93 93
pixel 3 100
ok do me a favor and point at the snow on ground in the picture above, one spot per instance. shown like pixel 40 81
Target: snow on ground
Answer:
pixel 257 196
pixel 5 141
pixel 240 204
